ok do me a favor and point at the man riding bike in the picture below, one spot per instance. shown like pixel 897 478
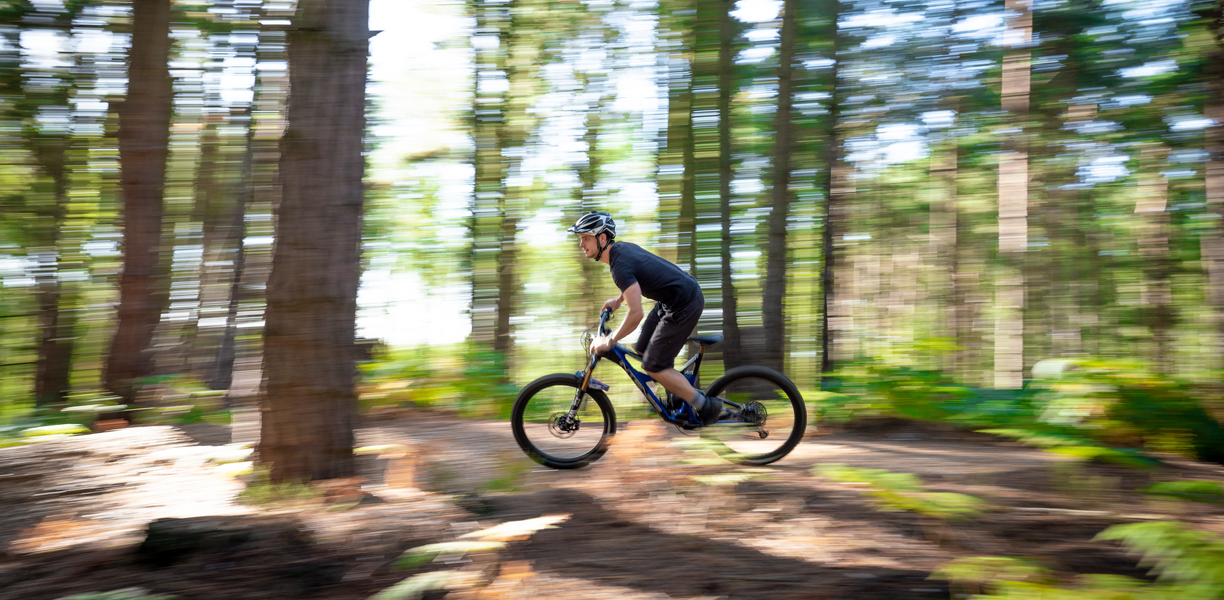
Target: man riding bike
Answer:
pixel 678 307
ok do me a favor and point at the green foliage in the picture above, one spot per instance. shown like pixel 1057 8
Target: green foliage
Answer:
pixel 462 378
pixel 261 491
pixel 905 492
pixel 132 593
pixel 1076 447
pixel 415 587
pixel 422 555
pixel 1090 410
pixel 1122 403
pixel 1186 560
pixel 874 389
pixel 1084 587
pixel 979 570
pixel 1189 565
pixel 56 431
pixel 513 475
pixel 1210 492
pixel 179 400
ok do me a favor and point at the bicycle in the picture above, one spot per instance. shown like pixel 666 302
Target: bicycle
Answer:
pixel 763 417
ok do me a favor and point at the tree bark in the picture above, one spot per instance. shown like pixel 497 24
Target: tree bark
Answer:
pixel 144 132
pixel 832 189
pixel 590 198
pixel 309 363
pixel 944 220
pixel 507 283
pixel 732 351
pixel 680 188
pixel 1156 291
pixel 1013 204
pixel 1212 242
pixel 57 326
pixel 489 133
pixel 773 303
pixel 222 376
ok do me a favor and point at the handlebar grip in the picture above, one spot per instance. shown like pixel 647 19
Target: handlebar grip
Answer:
pixel 606 314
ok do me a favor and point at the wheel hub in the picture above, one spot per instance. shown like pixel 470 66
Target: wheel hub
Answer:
pixel 563 426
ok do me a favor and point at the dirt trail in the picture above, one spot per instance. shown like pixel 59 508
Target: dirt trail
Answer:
pixel 653 519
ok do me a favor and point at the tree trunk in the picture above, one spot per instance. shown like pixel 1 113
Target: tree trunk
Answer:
pixel 732 351
pixel 590 198
pixel 507 283
pixel 944 220
pixel 56 336
pixel 832 187
pixel 1013 205
pixel 1156 291
pixel 144 132
pixel 773 303
pixel 309 366
pixel 56 325
pixel 489 133
pixel 1212 241
pixel 678 156
pixel 201 341
pixel 688 190
pixel 222 376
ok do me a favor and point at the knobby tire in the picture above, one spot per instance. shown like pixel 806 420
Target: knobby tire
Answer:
pixel 540 455
pixel 786 386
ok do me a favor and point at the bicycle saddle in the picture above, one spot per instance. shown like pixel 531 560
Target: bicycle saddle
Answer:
pixel 707 340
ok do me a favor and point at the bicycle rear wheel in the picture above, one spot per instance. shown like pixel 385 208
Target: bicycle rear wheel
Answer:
pixel 770 419
pixel 545 431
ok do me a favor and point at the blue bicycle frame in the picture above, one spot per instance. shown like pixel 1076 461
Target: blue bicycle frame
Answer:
pixel 682 415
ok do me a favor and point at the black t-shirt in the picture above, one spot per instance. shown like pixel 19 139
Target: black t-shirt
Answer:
pixel 660 280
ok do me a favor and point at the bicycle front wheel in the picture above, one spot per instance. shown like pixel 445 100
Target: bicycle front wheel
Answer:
pixel 549 434
pixel 769 421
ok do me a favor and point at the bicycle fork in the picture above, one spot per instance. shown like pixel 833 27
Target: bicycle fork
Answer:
pixel 581 395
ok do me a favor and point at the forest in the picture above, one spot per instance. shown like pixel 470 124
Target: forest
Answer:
pixel 990 218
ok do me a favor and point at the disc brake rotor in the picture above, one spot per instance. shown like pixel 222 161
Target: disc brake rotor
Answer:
pixel 563 426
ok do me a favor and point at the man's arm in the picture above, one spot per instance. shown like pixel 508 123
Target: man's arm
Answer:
pixel 614 303
pixel 632 296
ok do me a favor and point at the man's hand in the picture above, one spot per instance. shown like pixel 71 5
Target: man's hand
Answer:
pixel 612 303
pixel 601 344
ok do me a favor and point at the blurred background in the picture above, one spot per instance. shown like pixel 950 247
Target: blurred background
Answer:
pixel 952 190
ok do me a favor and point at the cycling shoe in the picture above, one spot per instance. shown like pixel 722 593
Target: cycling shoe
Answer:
pixel 710 412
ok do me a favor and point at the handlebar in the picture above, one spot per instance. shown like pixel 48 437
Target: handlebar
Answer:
pixel 604 316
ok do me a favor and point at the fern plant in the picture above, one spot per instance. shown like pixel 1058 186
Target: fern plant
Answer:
pixel 1210 492
pixel 1189 565
pixel 905 492
pixel 1184 559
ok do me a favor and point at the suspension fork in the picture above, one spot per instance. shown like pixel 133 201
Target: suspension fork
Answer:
pixel 581 395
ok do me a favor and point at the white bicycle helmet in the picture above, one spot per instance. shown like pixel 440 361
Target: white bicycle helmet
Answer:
pixel 595 223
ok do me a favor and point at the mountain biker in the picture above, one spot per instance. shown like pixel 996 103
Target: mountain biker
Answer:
pixel 678 305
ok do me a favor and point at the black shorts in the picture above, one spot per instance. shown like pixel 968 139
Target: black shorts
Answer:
pixel 664 333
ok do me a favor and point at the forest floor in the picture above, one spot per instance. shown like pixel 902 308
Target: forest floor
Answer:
pixel 646 522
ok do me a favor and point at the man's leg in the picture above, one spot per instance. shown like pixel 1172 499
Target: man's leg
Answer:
pixel 659 359
pixel 676 383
